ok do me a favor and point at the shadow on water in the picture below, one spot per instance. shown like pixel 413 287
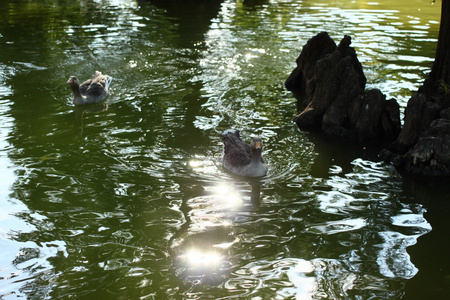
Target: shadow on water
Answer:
pixel 192 16
pixel 336 156
pixel 80 112
pixel 255 192
pixel 431 253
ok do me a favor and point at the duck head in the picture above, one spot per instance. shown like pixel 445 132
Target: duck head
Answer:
pixel 73 81
pixel 257 144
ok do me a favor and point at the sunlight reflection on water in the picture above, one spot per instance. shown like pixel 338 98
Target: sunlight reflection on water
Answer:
pixel 129 198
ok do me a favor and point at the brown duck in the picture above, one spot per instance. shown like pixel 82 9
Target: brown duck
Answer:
pixel 93 90
pixel 241 158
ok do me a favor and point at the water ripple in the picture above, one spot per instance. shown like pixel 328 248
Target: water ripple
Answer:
pixel 129 198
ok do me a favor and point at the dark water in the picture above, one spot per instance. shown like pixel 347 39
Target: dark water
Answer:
pixel 128 199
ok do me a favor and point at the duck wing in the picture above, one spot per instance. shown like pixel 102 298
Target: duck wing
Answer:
pixel 84 86
pixel 236 152
pixel 97 86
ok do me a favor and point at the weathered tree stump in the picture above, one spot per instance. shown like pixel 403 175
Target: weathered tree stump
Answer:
pixel 423 146
pixel 329 84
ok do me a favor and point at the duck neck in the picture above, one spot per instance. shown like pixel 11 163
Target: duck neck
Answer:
pixel 256 155
pixel 78 99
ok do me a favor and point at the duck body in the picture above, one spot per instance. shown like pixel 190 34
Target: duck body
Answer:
pixel 91 91
pixel 241 158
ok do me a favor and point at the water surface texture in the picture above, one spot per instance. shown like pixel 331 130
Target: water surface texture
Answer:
pixel 127 199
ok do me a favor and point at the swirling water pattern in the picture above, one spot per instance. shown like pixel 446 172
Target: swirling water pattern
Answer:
pixel 128 198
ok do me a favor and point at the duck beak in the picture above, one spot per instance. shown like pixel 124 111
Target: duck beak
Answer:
pixel 70 81
pixel 258 145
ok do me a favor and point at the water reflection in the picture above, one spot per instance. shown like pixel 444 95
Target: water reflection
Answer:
pixel 255 192
pixel 203 249
pixel 193 17
pixel 338 267
pixel 433 269
pixel 139 207
pixel 80 112
pixel 202 264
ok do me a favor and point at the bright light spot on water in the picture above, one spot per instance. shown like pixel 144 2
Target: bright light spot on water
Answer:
pixel 393 259
pixel 198 258
pixel 229 194
pixel 195 163
pixel 333 227
pixel 299 275
pixel 202 165
pixel 412 220
pixel 132 63
pixel 250 56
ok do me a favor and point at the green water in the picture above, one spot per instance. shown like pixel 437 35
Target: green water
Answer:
pixel 128 199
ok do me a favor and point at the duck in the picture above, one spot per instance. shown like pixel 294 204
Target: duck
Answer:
pixel 241 158
pixel 91 91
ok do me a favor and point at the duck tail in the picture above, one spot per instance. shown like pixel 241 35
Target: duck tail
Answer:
pixel 231 132
pixel 108 81
pixel 230 137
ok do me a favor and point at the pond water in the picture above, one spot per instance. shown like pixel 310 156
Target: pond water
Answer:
pixel 128 199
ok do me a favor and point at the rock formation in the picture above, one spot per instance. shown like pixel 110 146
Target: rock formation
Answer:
pixel 423 146
pixel 329 85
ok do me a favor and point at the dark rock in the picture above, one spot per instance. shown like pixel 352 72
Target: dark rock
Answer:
pixel 369 124
pixel 419 114
pixel 445 114
pixel 446 101
pixel 329 83
pixel 314 50
pixel 430 155
pixel 390 120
